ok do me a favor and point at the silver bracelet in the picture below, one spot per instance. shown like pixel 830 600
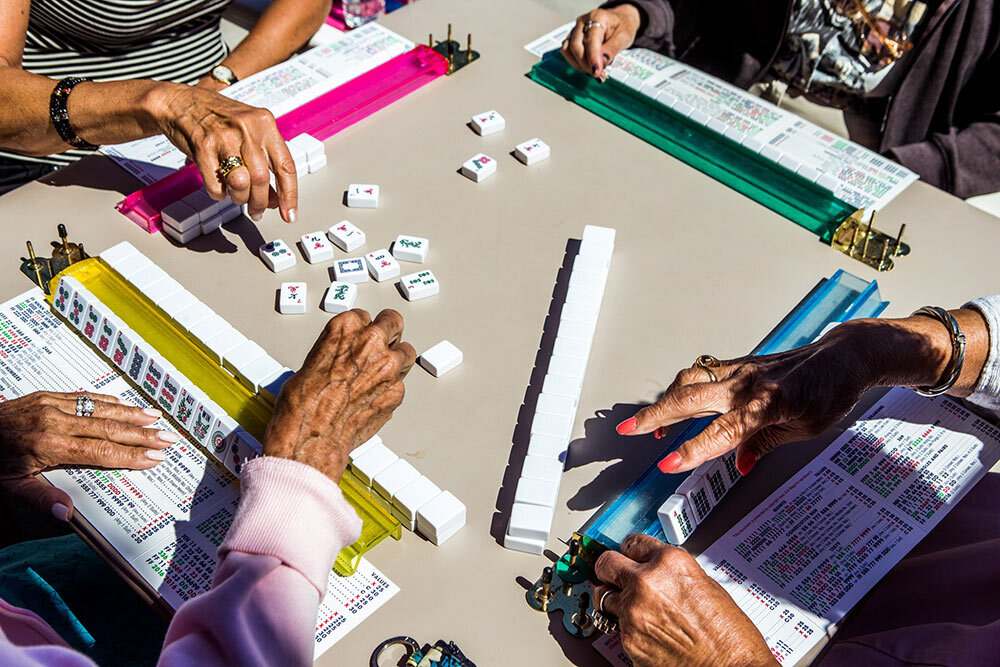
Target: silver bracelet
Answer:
pixel 954 368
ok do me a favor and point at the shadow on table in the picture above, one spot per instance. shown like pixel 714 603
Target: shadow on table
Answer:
pixel 96 173
pixel 522 430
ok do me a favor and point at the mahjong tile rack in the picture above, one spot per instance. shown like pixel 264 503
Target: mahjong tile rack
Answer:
pixel 808 202
pixel 321 118
pixel 568 585
pixel 248 404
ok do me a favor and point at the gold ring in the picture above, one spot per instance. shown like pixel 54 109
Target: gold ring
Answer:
pixel 229 164
pixel 707 362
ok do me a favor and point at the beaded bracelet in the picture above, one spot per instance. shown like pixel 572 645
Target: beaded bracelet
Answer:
pixel 60 116
pixel 954 368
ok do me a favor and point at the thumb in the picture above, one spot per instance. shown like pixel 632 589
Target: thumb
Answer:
pixel 42 496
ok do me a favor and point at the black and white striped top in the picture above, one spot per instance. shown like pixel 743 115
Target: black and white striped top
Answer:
pixel 109 40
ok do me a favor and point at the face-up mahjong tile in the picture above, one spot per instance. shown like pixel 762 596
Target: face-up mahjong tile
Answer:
pixel 63 298
pixel 122 347
pixel 106 335
pixel 170 391
pixel 78 309
pixel 362 195
pixel 151 378
pixel 292 298
pixel 410 248
pixel 420 285
pixel 340 297
pixel 532 151
pixel 488 122
pixel 277 255
pixel 479 167
pixel 381 265
pixel 350 270
pixel 316 247
pixel 347 235
pixel 137 363
pixel 187 405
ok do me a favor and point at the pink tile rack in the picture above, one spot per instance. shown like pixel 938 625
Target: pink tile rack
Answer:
pixel 322 117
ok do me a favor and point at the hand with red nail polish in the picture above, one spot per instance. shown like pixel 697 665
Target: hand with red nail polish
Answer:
pixel 760 403
pixel 598 36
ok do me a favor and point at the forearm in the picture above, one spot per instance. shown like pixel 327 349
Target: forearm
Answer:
pixel 916 351
pixel 282 29
pixel 99 112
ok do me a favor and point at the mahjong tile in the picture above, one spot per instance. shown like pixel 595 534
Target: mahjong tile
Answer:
pixel 350 270
pixel 203 204
pixel 117 253
pixel 106 334
pixel 340 297
pixel 381 265
pixel 124 341
pixel 184 237
pixel 410 248
pixel 312 146
pixel 204 418
pixel 137 361
pixel 188 402
pixel 315 164
pixel 479 167
pixel 316 247
pixel 63 299
pixel 346 235
pixel 92 319
pixel 362 195
pixel 277 256
pixel 152 376
pixel 145 279
pixel 170 391
pixel 78 308
pixel 532 151
pixel 219 435
pixel 488 122
pixel 420 285
pixel 180 216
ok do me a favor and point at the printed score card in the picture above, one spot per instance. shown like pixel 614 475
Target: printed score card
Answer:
pixel 166 523
pixel 865 179
pixel 801 559
pixel 280 89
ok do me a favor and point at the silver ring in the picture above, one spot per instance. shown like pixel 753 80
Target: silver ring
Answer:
pixel 590 24
pixel 84 406
pixel 600 601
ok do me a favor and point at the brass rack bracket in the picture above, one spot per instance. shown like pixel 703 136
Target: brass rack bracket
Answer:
pixel 861 241
pixel 452 50
pixel 40 270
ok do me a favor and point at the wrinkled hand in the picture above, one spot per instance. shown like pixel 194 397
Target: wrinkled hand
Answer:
pixel 209 127
pixel 41 431
pixel 590 50
pixel 347 389
pixel 670 612
pixel 766 401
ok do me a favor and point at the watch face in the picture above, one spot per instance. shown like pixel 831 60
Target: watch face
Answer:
pixel 223 73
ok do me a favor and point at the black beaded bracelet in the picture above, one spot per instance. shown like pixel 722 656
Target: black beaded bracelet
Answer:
pixel 60 116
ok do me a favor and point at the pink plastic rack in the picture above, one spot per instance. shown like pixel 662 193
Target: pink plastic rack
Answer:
pixel 322 117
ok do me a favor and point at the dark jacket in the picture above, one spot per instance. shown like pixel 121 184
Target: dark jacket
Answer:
pixel 944 120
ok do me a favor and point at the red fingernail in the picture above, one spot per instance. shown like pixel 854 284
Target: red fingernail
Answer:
pixel 669 463
pixel 746 462
pixel 658 433
pixel 627 426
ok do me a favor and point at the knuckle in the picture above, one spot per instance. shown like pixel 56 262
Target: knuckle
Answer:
pixel 259 176
pixel 239 179
pixel 286 165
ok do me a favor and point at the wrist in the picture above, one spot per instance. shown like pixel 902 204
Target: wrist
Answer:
pixel 630 16
pixel 911 352
pixel 157 105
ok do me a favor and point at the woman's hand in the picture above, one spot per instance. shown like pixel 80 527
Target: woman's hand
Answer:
pixel 41 431
pixel 209 128
pixel 347 389
pixel 670 612
pixel 766 401
pixel 591 49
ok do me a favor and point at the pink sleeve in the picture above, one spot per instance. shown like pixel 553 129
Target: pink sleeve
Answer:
pixel 275 560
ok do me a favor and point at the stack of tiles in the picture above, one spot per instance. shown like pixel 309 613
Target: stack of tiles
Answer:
pixel 308 153
pixel 195 215
pixel 552 425
pixel 828 181
pixel 403 492
pixel 697 496
pixel 163 385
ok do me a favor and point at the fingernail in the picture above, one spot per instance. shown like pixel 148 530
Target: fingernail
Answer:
pixel 168 436
pixel 607 58
pixel 152 412
pixel 293 215
pixel 594 68
pixel 627 426
pixel 60 511
pixel 670 463
pixel 746 462
pixel 156 455
pixel 658 433
pixel 256 217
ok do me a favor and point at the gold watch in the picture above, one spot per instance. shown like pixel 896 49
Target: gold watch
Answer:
pixel 223 74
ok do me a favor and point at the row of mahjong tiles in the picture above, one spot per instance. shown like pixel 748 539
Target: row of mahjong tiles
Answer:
pixel 437 516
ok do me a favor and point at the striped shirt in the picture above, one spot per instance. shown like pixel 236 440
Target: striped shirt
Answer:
pixel 109 40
